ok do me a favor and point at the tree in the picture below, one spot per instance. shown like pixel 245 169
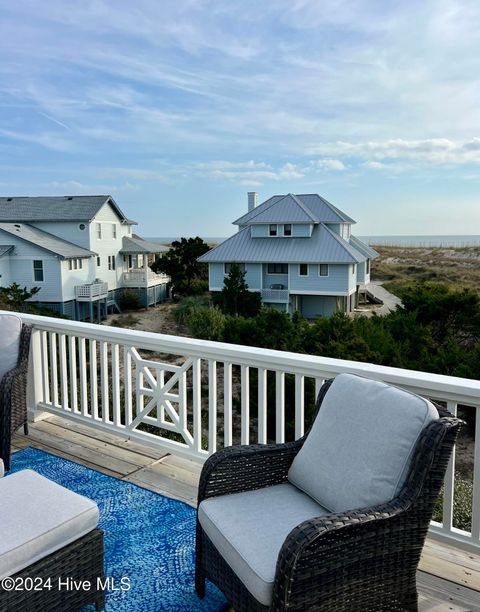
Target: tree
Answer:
pixel 182 265
pixel 235 298
pixel 14 296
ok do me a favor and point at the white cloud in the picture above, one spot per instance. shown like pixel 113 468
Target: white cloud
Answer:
pixel 247 173
pixel 329 164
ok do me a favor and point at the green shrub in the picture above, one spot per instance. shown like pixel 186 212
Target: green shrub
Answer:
pixel 206 323
pixel 188 304
pixel 462 504
pixel 129 300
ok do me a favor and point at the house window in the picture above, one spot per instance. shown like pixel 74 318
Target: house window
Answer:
pixel 323 270
pixel 75 264
pixel 277 268
pixel 80 264
pixel 228 267
pixel 99 262
pixel 99 231
pixel 38 270
pixel 111 262
pixel 303 270
pixel 273 229
pixel 114 230
pixel 70 264
pixel 287 229
pixel 367 266
pixel 354 267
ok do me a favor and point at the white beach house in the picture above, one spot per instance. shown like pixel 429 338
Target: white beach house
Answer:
pixel 80 252
pixel 298 251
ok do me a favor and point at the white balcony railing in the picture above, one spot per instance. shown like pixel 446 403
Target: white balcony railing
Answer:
pixel 275 295
pixel 139 277
pixel 91 292
pixel 190 396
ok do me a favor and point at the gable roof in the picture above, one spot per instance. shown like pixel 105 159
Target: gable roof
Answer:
pixel 286 210
pixel 324 246
pixel 46 241
pixel 318 209
pixel 135 244
pixel 363 248
pixel 55 208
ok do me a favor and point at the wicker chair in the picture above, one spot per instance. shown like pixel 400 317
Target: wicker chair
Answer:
pixel 353 560
pixel 13 391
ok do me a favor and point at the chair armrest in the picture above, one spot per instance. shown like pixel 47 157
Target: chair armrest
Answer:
pixel 244 468
pixel 344 544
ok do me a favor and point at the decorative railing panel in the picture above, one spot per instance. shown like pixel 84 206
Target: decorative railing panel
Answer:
pixel 192 397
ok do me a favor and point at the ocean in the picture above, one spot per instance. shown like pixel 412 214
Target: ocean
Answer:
pixel 413 241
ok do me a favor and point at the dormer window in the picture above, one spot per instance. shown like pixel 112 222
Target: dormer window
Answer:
pixel 273 229
pixel 287 229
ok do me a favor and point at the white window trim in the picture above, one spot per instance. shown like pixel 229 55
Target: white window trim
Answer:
pixel 328 271
pixel 291 230
pixel 99 231
pixel 42 269
pixel 270 225
pixel 308 270
pixel 114 230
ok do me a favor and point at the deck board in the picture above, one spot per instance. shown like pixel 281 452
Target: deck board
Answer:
pixel 449 578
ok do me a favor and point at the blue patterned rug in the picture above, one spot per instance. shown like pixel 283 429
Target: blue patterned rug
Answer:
pixel 149 538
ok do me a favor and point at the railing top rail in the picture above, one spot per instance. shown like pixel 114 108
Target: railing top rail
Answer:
pixel 437 385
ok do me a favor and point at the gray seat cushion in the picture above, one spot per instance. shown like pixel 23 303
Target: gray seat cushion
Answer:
pixel 10 328
pixel 38 518
pixel 249 529
pixel 358 451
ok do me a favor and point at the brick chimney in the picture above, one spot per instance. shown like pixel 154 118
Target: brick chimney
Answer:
pixel 252 200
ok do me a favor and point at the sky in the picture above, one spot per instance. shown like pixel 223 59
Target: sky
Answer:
pixel 178 108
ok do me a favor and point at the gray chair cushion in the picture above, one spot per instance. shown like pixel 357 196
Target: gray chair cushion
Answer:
pixel 10 328
pixel 358 451
pixel 39 517
pixel 248 529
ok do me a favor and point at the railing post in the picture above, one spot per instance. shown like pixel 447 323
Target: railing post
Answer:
pixel 35 379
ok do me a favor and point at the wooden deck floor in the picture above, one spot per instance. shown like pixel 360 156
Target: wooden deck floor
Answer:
pixel 449 579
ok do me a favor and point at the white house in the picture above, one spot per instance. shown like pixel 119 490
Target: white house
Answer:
pixel 298 251
pixel 80 252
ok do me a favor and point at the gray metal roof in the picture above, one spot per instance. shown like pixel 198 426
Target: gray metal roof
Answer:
pixel 55 208
pixel 4 249
pixel 135 244
pixel 44 240
pixel 363 248
pixel 324 246
pixel 318 209
pixel 287 210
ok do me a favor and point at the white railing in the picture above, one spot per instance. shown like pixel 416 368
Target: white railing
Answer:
pixel 139 277
pixel 92 291
pixel 275 295
pixel 191 397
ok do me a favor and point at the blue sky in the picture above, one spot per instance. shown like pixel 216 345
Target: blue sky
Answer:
pixel 178 108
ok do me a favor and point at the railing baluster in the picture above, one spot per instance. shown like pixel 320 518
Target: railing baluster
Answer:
pixel 318 385
pixel 262 405
pixel 449 483
pixel 245 405
pixel 212 406
pixel 45 368
pixel 72 354
pixel 104 381
pixel 127 367
pixel 53 368
pixel 280 407
pixel 476 481
pixel 94 379
pixel 197 403
pixel 227 404
pixel 117 415
pixel 62 341
pixel 82 357
pixel 299 406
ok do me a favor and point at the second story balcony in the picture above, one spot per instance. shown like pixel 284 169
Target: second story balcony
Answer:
pixel 91 292
pixel 275 294
pixel 143 277
pixel 151 408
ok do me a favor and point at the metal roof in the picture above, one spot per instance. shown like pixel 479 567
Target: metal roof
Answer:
pixel 363 248
pixel 287 210
pixel 4 249
pixel 324 246
pixel 44 240
pixel 135 244
pixel 318 209
pixel 55 208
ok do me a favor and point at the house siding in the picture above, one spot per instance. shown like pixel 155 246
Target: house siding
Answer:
pixel 5 271
pixel 338 279
pixel 253 276
pixel 67 230
pixel 72 278
pixel 299 230
pixel 273 279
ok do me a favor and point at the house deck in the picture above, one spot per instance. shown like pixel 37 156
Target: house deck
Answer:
pixel 449 579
